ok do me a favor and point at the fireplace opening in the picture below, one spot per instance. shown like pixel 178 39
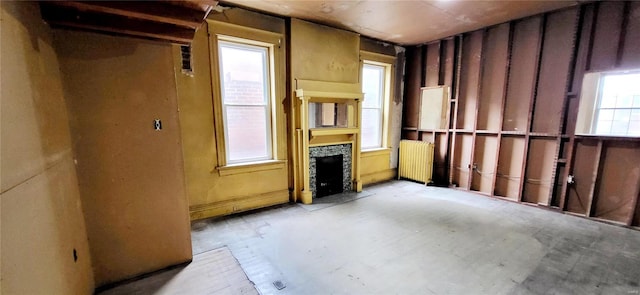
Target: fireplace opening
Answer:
pixel 329 175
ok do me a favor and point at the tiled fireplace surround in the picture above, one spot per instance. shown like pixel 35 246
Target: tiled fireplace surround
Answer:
pixel 326 151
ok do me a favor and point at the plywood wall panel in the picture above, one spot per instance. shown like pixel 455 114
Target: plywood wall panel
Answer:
pixel 583 169
pixel 631 49
pixel 412 84
pixel 131 176
pixel 469 79
pixel 449 58
pixel 619 183
pixel 522 74
pixel 440 169
pixel 510 167
pixel 539 172
pixel 606 36
pixel 432 65
pixel 554 71
pixel 485 160
pixel 494 62
pixel 461 160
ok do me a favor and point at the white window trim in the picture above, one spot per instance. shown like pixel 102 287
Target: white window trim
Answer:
pixel 236 33
pixel 388 62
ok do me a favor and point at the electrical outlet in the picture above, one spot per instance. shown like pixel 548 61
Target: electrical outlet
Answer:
pixel 571 179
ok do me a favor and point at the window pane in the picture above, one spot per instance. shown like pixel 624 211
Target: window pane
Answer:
pixel 622 115
pixel 243 71
pixel 636 101
pixel 372 85
pixel 619 127
pixel 245 97
pixel 604 127
pixel 247 133
pixel 635 114
pixel 634 128
pixel 605 115
pixel 371 128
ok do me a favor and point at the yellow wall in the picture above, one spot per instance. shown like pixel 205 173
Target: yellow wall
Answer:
pixel 210 193
pixel 41 215
pixel 130 175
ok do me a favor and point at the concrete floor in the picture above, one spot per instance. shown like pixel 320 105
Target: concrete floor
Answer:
pixel 405 238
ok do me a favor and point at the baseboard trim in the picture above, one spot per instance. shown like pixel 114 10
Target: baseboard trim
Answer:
pixel 379 176
pixel 238 204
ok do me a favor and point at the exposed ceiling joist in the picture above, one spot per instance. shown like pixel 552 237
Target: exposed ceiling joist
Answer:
pixel 173 21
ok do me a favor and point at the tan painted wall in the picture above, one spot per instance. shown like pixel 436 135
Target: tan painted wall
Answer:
pixel 212 194
pixel 41 214
pixel 131 176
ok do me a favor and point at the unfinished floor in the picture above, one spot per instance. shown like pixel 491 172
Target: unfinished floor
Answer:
pixel 405 238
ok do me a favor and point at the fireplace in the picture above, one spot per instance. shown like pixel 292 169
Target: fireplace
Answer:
pixel 328 175
pixel 329 169
pixel 328 135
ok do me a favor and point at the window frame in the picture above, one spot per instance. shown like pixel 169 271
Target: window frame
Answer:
pixel 598 106
pixel 227 32
pixel 267 107
pixel 388 63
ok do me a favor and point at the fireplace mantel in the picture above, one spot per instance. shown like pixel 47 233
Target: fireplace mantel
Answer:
pixel 326 92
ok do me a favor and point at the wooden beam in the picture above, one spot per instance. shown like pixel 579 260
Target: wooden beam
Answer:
pixel 69 17
pixel 161 12
pixel 597 169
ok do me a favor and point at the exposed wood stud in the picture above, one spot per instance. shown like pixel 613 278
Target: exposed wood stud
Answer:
pixel 592 33
pixel 505 86
pixel 477 104
pixel 532 100
pixel 595 180
pixel 584 42
pixel 458 67
pixel 623 32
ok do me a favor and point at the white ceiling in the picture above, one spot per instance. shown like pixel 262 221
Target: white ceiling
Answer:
pixel 404 22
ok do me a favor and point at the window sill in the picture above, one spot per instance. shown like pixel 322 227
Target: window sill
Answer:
pixel 250 167
pixel 375 152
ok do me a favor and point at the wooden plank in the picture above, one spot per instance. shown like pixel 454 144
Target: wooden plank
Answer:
pixel 597 170
pixel 161 12
pixel 582 169
pixel 522 74
pixel 606 36
pixel 66 17
pixel 456 87
pixel 630 53
pixel 470 67
pixel 618 185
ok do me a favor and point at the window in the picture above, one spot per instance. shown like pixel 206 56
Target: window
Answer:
pixel 375 81
pixel 247 80
pixel 610 104
pixel 246 96
pixel 618 105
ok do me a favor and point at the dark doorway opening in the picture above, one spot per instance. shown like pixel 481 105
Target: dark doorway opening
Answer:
pixel 329 175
